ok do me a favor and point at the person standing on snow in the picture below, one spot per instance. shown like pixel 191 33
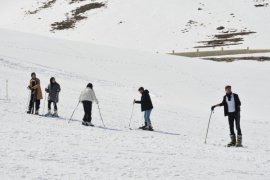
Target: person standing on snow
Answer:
pixel 232 104
pixel 53 89
pixel 36 94
pixel 87 98
pixel 146 107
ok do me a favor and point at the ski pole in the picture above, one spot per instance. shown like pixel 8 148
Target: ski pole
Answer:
pixel 44 103
pixel 73 112
pixel 131 116
pixel 101 116
pixel 208 127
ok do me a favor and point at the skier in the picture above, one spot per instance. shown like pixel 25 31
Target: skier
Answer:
pixel 36 94
pixel 53 89
pixel 232 104
pixel 146 107
pixel 86 98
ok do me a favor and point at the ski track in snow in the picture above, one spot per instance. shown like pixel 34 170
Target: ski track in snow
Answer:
pixel 34 147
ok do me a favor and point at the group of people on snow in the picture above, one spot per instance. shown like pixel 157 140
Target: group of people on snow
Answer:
pixel 53 91
pixel 231 103
pixel 87 97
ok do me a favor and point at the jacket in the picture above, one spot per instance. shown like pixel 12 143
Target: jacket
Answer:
pixel 34 86
pixel 53 90
pixel 88 95
pixel 237 104
pixel 146 103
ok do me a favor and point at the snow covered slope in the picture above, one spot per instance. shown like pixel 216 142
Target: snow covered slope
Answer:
pixel 152 25
pixel 182 90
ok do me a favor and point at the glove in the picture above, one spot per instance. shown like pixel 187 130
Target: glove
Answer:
pixel 28 87
pixel 46 89
pixel 213 108
pixel 134 101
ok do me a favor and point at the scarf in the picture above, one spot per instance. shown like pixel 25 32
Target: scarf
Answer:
pixel 229 96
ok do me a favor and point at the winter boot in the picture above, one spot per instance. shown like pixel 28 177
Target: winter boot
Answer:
pixel 49 113
pixel 29 110
pixel 149 128
pixel 89 124
pixel 55 114
pixel 143 127
pixel 233 141
pixel 239 141
pixel 36 112
pixel 84 123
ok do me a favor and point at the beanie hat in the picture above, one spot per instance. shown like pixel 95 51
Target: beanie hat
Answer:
pixel 141 89
pixel 90 85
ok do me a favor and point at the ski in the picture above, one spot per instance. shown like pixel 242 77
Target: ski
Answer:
pixel 53 117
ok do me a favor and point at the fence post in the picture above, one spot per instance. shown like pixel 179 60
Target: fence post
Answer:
pixel 173 52
pixel 198 52
pixel 248 50
pixel 222 50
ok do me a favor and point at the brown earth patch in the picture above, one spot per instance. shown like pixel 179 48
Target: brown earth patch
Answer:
pixel 76 16
pixel 224 39
pixel 231 59
pixel 45 5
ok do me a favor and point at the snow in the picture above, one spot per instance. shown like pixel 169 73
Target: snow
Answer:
pixel 153 25
pixel 182 91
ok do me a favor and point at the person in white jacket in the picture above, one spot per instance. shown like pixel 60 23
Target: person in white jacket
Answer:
pixel 87 97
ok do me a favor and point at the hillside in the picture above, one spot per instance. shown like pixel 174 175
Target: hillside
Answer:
pixel 153 25
pixel 183 90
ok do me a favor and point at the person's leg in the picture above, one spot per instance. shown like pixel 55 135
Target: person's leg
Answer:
pixel 87 105
pixel 237 123
pixel 37 106
pixel 49 105
pixel 145 119
pixel 90 112
pixel 239 133
pixel 55 109
pixel 232 134
pixel 231 123
pixel 85 110
pixel 31 104
pixel 148 113
pixel 55 106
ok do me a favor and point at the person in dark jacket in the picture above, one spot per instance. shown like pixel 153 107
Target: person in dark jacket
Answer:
pixel 53 90
pixel 36 94
pixel 232 104
pixel 146 107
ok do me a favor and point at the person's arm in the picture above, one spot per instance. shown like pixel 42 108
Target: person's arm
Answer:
pixel 59 88
pixel 137 102
pixel 238 99
pixel 220 104
pixel 47 89
pixel 94 96
pixel 238 102
pixel 30 85
pixel 37 85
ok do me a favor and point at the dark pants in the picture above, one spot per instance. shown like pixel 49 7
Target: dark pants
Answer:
pixel 87 106
pixel 234 117
pixel 33 101
pixel 54 104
